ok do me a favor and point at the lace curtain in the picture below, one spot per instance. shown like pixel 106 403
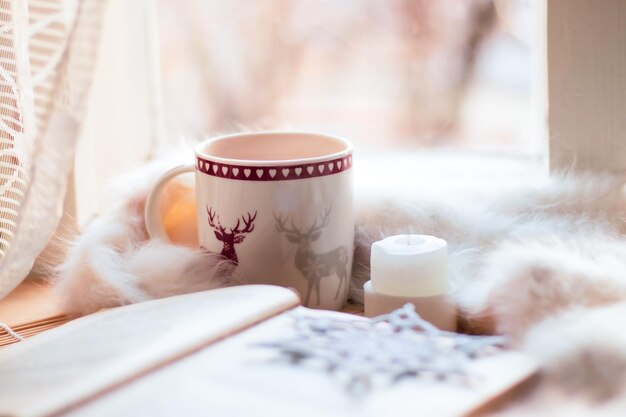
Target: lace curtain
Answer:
pixel 47 54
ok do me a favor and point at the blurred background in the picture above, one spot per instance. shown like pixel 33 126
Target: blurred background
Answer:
pixel 384 73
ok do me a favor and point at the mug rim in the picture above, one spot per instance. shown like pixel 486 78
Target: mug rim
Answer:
pixel 348 148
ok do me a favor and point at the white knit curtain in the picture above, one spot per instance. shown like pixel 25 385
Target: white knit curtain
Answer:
pixel 47 54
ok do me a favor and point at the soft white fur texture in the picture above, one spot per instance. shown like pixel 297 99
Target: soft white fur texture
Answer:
pixel 541 259
pixel 114 263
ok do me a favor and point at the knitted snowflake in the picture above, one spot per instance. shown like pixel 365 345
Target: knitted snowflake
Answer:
pixel 382 350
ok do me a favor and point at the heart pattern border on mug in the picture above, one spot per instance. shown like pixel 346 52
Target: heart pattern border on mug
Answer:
pixel 274 173
pixel 247 235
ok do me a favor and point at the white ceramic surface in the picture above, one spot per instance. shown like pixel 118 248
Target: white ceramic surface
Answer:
pixel 277 204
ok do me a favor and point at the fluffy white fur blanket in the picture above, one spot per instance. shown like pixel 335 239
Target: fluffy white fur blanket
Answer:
pixel 540 259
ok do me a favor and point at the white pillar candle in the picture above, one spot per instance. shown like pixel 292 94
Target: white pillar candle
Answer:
pixel 410 269
pixel 410 266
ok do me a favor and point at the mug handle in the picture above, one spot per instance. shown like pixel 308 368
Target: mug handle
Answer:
pixel 154 224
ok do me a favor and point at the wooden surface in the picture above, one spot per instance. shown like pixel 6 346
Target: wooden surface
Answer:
pixel 586 58
pixel 30 309
pixel 30 301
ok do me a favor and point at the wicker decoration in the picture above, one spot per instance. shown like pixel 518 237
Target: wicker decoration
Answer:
pixel 364 354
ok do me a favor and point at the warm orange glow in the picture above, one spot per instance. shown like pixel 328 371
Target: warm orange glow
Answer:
pixel 179 214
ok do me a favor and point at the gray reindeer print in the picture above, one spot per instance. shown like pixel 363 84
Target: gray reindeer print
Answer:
pixel 313 265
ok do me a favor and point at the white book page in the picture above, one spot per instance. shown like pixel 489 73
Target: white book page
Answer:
pixel 74 362
pixel 235 377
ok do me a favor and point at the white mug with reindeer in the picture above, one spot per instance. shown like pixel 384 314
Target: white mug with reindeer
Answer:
pixel 278 206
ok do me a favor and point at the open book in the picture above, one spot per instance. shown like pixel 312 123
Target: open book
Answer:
pixel 199 354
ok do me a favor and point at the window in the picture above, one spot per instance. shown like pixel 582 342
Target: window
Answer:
pixel 397 73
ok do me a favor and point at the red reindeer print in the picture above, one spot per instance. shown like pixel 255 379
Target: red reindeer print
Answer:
pixel 234 236
pixel 315 266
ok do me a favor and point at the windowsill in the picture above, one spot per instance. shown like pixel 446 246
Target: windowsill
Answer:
pixel 32 300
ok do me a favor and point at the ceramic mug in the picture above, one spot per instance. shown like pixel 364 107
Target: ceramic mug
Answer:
pixel 279 206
